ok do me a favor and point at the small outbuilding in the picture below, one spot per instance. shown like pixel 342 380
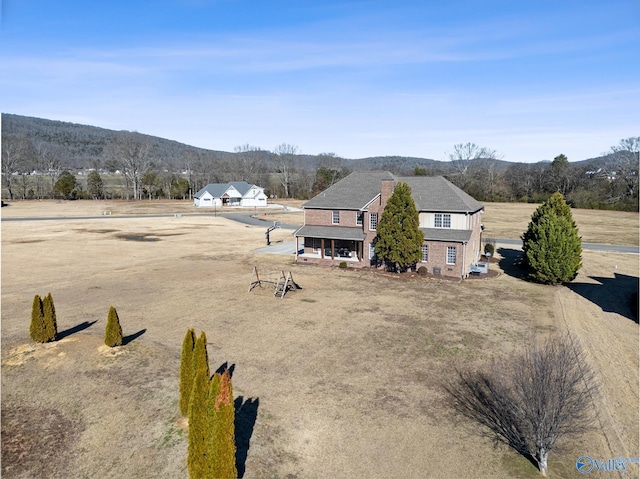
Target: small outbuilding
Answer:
pixel 234 193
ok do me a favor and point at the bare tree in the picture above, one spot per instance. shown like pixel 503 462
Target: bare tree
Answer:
pixel 49 160
pixel 465 160
pixel 531 400
pixel 15 150
pixel 131 151
pixel 627 162
pixel 285 161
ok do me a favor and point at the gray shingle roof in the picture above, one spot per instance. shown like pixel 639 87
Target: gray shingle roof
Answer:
pixel 435 193
pixel 430 193
pixel 446 234
pixel 331 232
pixel 351 193
pixel 218 189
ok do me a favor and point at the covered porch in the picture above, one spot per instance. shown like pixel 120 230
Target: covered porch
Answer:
pixel 322 243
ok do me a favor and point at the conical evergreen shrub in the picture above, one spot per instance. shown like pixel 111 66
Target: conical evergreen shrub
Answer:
pixel 36 328
pixel 113 331
pixel 50 321
pixel 200 355
pixel 198 433
pixel 221 447
pixel 551 245
pixel 186 370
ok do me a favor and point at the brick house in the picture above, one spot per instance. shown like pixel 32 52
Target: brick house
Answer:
pixel 340 223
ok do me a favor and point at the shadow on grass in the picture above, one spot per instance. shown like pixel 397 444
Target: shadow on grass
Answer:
pixel 511 262
pixel 245 420
pixel 614 295
pixel 76 329
pixel 127 339
pixel 224 366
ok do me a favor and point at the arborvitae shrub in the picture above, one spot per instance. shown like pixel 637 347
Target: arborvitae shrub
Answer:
pixel 50 321
pixel 186 370
pixel 221 443
pixel 198 431
pixel 200 356
pixel 113 331
pixel 36 328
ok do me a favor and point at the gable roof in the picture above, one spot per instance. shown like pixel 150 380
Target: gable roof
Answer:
pixel 430 193
pixel 435 193
pixel 218 189
pixel 353 192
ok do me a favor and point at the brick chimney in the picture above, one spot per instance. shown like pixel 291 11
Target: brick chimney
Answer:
pixel 386 190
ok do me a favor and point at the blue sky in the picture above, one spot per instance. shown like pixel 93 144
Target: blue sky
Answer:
pixel 528 79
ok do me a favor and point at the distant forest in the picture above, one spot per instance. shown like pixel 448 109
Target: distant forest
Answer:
pixel 48 159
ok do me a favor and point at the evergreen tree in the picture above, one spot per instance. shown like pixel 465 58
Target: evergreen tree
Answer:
pixel 198 431
pixel 221 416
pixel 113 331
pixel 200 355
pixel 399 237
pixel 186 371
pixel 50 320
pixel 551 245
pixel 37 328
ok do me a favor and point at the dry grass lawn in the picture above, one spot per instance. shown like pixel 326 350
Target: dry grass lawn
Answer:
pixel 339 379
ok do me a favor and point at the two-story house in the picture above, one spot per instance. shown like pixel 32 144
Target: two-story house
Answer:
pixel 340 223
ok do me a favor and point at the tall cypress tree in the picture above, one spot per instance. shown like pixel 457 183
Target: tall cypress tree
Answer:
pixel 221 416
pixel 399 237
pixel 200 355
pixel 551 245
pixel 113 331
pixel 186 370
pixel 50 320
pixel 198 431
pixel 37 328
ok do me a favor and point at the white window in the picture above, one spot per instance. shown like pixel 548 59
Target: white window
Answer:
pixel 335 219
pixel 359 218
pixel 316 245
pixel 425 253
pixel 372 251
pixel 442 220
pixel 451 255
pixel 373 221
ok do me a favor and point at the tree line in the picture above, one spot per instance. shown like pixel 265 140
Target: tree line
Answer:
pixel 134 166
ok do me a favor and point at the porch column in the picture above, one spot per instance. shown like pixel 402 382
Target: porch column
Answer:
pixel 333 244
pixel 360 248
pixel 322 248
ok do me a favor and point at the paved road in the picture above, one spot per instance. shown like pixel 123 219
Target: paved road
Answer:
pixel 266 222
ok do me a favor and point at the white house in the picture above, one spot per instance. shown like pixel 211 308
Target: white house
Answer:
pixel 234 193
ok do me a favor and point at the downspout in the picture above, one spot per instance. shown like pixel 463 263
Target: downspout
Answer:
pixel 464 260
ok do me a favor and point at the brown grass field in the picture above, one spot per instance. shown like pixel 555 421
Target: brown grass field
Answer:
pixel 341 379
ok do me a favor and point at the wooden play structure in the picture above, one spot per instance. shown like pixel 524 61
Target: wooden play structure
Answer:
pixel 281 282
